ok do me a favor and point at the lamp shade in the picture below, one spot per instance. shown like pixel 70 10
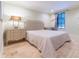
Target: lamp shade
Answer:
pixel 15 18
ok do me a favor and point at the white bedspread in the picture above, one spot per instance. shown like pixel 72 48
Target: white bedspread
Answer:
pixel 47 41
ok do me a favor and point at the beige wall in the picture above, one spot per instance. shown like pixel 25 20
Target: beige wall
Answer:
pixel 72 21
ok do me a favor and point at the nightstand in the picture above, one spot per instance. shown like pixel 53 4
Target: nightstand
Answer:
pixel 14 35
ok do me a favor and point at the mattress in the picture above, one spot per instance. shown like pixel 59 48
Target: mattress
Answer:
pixel 47 41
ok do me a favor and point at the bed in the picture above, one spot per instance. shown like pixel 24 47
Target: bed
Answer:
pixel 47 41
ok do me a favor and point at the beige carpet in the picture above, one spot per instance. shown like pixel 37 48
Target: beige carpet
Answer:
pixel 25 50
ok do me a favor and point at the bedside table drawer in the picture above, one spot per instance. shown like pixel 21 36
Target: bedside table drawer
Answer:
pixel 15 34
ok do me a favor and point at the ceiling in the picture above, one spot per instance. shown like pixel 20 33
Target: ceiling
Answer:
pixel 45 6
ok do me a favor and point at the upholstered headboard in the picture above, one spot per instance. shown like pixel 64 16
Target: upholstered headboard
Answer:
pixel 34 25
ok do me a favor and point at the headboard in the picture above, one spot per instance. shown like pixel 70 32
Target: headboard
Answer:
pixel 34 25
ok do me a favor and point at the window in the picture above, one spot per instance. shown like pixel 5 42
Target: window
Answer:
pixel 61 20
